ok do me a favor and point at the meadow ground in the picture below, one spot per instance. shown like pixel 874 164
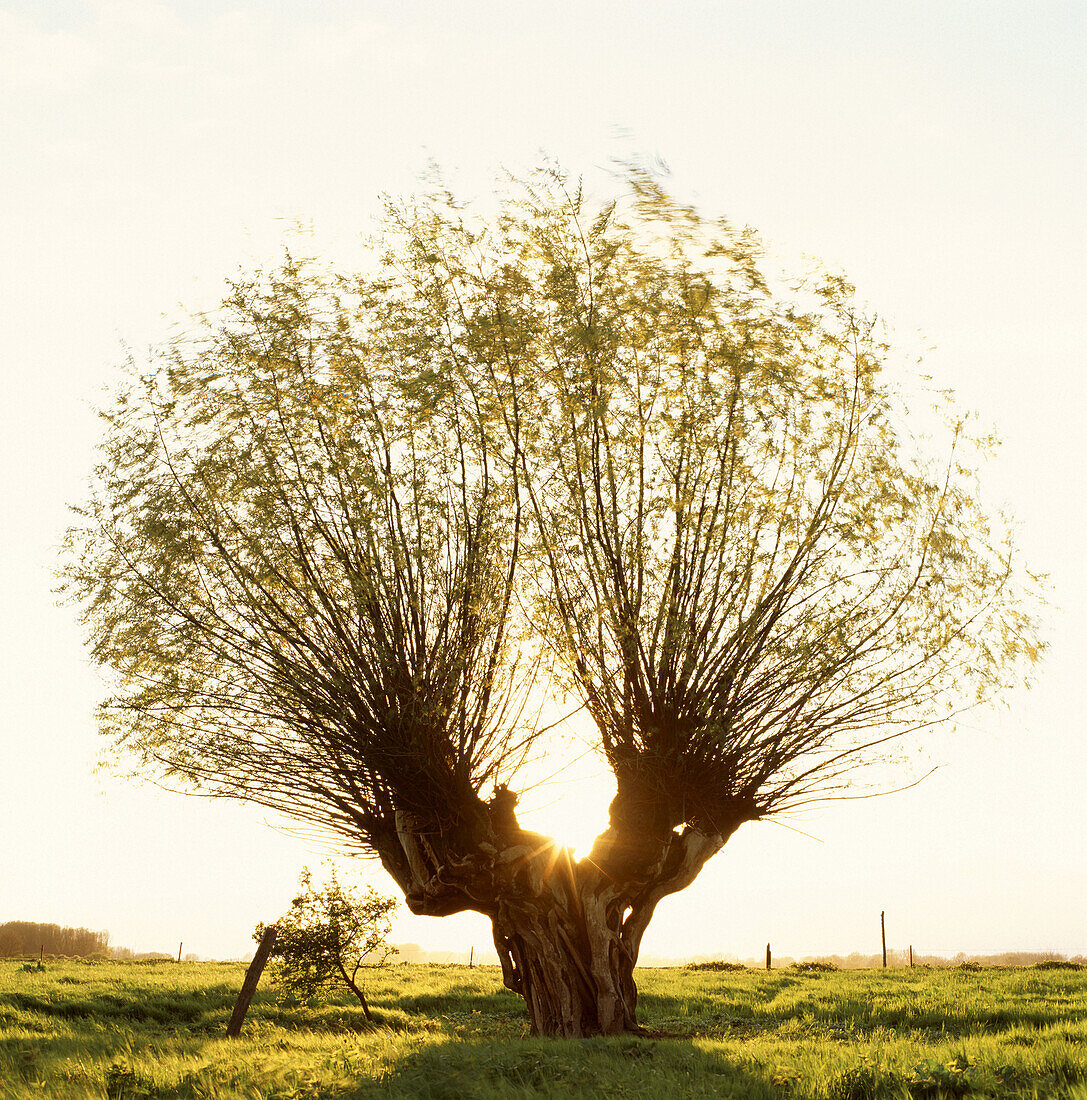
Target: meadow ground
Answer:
pixel 156 1030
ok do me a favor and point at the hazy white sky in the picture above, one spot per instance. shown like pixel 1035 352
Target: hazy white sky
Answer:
pixel 933 150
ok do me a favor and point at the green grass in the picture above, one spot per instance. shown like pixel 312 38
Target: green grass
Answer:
pixel 124 1030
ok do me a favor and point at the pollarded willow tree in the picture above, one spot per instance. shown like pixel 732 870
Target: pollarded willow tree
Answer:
pixel 333 541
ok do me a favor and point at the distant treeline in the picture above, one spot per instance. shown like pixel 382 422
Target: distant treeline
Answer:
pixel 127 954
pixel 22 939
pixel 413 953
pixel 19 938
pixel 895 958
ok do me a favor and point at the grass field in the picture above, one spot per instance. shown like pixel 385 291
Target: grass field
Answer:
pixel 156 1030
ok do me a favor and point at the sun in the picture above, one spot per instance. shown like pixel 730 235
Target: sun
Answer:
pixel 571 806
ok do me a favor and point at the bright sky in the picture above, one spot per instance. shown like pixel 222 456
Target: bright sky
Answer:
pixel 933 150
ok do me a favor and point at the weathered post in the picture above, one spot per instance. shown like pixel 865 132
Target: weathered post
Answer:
pixel 911 956
pixel 179 947
pixel 471 955
pixel 249 986
pixel 883 934
pixel 767 956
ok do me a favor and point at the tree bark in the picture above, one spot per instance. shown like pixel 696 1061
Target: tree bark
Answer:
pixel 567 934
pixel 249 985
pixel 560 944
pixel 349 979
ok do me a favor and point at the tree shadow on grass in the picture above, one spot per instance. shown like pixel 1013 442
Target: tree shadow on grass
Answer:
pixel 575 1068
pixel 150 1006
pixel 460 999
pixel 588 1069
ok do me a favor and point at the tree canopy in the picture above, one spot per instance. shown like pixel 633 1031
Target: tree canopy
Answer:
pixel 342 536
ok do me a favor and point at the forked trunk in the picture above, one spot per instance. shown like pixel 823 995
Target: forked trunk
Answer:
pixel 568 961
pixel 567 934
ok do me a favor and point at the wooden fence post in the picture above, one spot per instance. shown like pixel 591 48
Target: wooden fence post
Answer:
pixel 767 956
pixel 911 956
pixel 883 934
pixel 179 947
pixel 471 955
pixel 249 986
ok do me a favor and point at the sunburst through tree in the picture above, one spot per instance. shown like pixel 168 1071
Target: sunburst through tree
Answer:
pixel 339 537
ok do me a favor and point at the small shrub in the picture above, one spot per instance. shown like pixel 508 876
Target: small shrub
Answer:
pixel 715 964
pixel 326 938
pixel 864 1082
pixel 814 965
pixel 970 967
pixel 1058 964
pixel 1011 1076
pixel 932 1078
pixel 124 1083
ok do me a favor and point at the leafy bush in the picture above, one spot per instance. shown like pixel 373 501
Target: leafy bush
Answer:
pixel 814 965
pixel 326 937
pixel 124 1083
pixel 954 1078
pixel 863 1082
pixel 928 1078
pixel 1058 964
pixel 715 964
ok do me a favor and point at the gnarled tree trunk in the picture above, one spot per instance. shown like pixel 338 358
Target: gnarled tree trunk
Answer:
pixel 558 937
pixel 567 933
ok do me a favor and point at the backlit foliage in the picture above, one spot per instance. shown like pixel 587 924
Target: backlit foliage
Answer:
pixel 327 529
pixel 327 936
